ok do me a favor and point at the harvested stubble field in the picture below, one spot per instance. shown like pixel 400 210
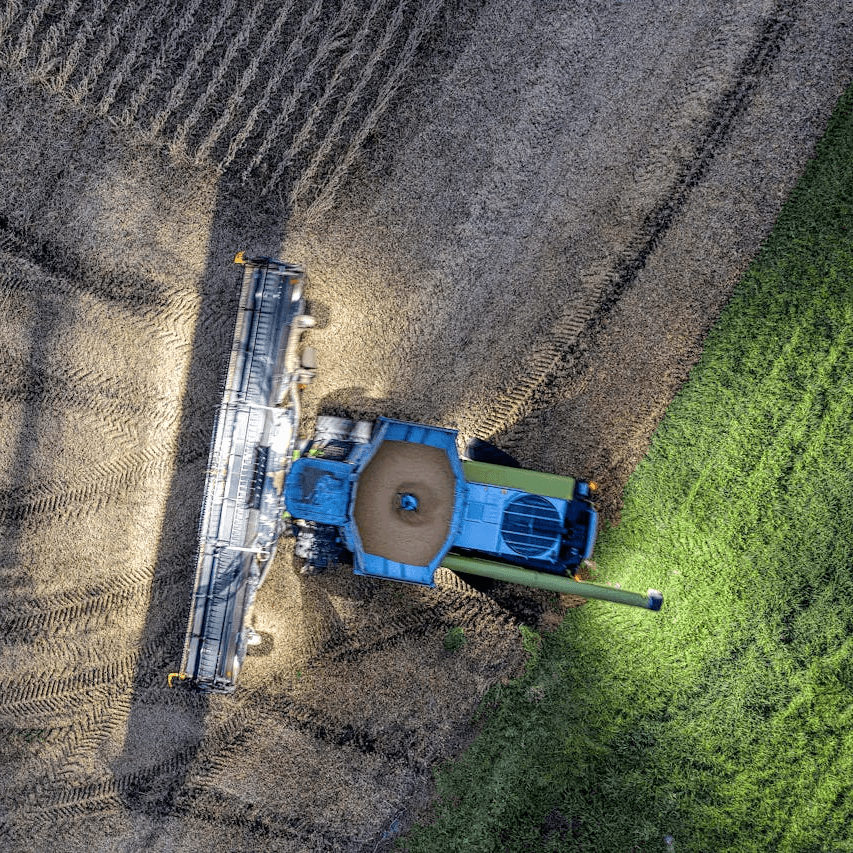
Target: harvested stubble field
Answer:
pixel 519 223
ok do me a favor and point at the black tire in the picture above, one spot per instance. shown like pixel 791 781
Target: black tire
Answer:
pixel 477 582
pixel 478 450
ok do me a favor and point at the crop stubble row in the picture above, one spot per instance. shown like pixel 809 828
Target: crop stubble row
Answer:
pixel 282 95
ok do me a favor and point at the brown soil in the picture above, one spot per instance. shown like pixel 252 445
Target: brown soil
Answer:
pixel 519 220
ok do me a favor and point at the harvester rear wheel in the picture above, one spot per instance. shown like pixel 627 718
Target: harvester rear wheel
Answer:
pixel 477 582
pixel 478 450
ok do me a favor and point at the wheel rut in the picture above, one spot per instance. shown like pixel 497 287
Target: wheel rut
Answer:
pixel 574 333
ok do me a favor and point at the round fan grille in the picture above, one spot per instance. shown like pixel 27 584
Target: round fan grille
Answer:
pixel 531 526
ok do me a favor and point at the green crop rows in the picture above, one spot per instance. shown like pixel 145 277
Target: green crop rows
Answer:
pixel 725 722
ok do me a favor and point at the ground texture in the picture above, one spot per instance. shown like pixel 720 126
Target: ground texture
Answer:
pixel 517 223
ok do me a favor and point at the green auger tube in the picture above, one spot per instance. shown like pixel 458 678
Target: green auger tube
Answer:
pixel 652 600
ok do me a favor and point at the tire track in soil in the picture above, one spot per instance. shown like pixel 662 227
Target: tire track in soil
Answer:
pixel 97 697
pixel 350 645
pixel 214 808
pixel 37 269
pixel 202 763
pixel 143 789
pixel 33 266
pixel 452 603
pixel 82 501
pixel 169 319
pixel 574 334
pixel 66 747
pixel 79 799
pixel 126 413
pixel 201 802
pixel 33 619
pixel 47 693
pixel 121 409
pixel 87 730
pixel 133 471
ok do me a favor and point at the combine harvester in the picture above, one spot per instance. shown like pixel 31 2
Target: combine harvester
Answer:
pixel 394 498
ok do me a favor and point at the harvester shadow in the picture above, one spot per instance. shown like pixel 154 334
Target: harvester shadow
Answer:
pixel 171 722
pixel 20 449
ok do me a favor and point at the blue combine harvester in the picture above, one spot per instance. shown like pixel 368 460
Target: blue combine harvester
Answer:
pixel 393 497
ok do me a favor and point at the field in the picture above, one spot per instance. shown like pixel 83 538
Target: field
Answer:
pixel 521 224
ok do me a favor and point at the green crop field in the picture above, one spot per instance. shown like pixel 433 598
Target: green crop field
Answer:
pixel 725 722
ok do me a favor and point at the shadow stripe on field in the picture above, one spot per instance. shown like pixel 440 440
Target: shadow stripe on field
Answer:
pixel 35 275
pixel 283 95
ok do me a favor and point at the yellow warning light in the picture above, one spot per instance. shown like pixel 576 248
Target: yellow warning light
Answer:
pixel 593 485
pixel 240 258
